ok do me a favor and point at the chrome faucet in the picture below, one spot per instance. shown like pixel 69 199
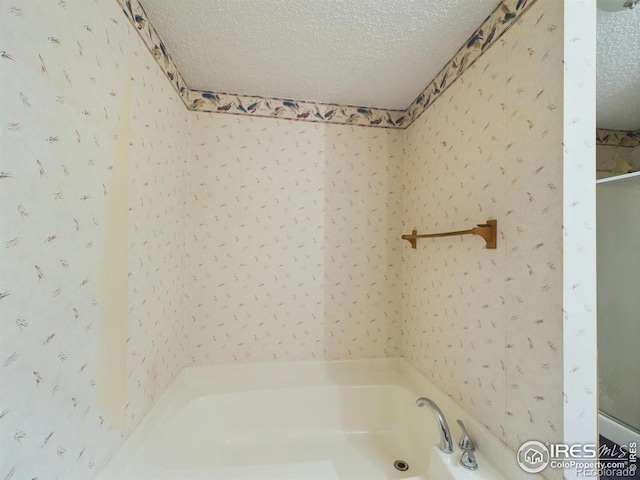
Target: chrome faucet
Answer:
pixel 468 459
pixel 446 445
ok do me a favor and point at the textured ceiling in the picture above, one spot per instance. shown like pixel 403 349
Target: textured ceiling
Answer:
pixel 618 70
pixel 374 53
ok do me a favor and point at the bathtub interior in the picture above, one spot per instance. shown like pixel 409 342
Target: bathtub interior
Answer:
pixel 361 430
pixel 316 420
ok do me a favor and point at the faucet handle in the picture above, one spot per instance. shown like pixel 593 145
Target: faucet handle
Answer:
pixel 468 459
pixel 465 444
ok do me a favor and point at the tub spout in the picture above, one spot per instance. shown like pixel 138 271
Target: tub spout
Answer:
pixel 446 445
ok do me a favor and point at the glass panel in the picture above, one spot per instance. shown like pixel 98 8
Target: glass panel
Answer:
pixel 618 233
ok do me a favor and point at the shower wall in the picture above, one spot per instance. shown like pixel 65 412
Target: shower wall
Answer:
pixel 65 72
pixel 486 325
pixel 293 244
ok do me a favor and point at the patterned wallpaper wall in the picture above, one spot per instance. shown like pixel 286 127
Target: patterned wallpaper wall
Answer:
pixel 362 252
pixel 63 67
pixel 293 248
pixel 486 325
pixel 157 234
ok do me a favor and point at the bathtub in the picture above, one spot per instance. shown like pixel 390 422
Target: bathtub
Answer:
pixel 298 421
pixel 617 431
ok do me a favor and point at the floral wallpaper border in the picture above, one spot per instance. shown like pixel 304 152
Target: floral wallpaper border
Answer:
pixel 205 101
pixel 618 138
pixel 496 24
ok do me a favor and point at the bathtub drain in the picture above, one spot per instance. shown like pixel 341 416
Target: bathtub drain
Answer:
pixel 401 465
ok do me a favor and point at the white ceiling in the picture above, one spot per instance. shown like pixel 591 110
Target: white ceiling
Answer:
pixel 373 53
pixel 618 70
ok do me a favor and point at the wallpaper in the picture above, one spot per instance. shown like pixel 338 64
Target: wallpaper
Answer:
pixel 157 233
pixel 362 254
pixel 501 19
pixel 485 325
pixel 63 67
pixel 292 241
pixel 612 160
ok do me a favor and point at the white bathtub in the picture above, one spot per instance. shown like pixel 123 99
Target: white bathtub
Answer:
pixel 616 431
pixel 287 423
